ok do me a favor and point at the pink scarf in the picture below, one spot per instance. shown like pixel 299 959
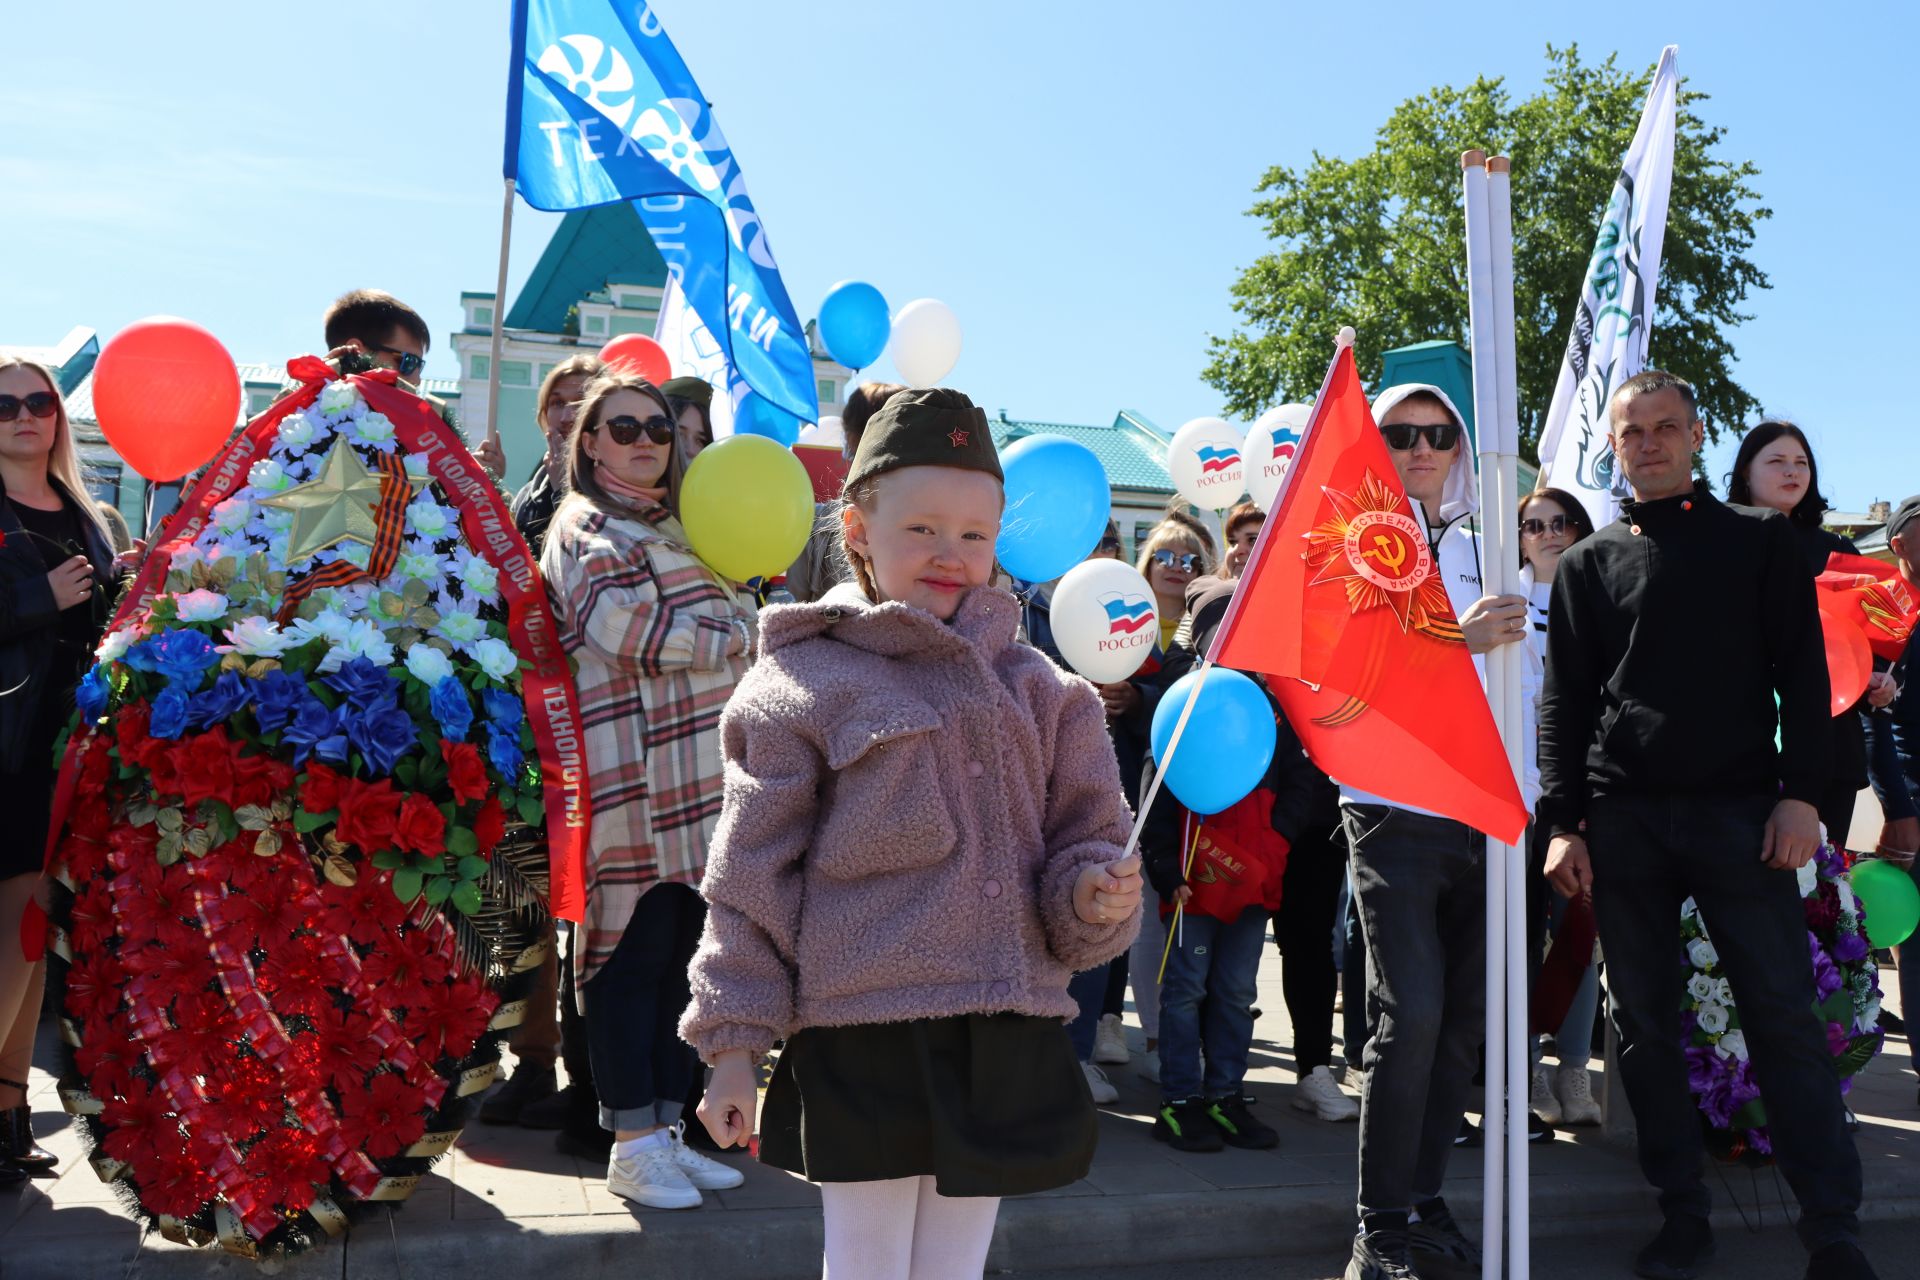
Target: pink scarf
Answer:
pixel 619 488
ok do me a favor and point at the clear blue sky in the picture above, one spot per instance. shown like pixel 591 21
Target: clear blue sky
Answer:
pixel 1071 178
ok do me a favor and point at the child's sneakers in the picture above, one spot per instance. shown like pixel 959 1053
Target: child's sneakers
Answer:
pixel 1110 1042
pixel 1099 1086
pixel 1186 1126
pixel 1237 1126
pixel 1317 1093
pixel 646 1172
pixel 704 1173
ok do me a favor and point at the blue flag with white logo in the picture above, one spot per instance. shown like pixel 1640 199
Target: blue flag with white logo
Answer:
pixel 601 108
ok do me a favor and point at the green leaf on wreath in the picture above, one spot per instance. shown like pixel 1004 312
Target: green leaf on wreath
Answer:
pixel 437 890
pixel 306 823
pixel 530 808
pixel 1750 1116
pixel 407 773
pixel 167 852
pixel 1860 1051
pixel 218 813
pixel 431 863
pixel 1838 1007
pixel 466 898
pixel 508 797
pixel 472 867
pixel 389 860
pixel 461 841
pixel 406 884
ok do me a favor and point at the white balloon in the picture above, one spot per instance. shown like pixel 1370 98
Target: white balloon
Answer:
pixel 1104 619
pixel 1204 462
pixel 925 341
pixel 1271 443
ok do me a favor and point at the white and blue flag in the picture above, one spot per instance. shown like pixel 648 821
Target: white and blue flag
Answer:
pixel 601 108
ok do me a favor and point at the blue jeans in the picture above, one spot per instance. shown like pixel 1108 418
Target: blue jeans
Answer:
pixel 1216 965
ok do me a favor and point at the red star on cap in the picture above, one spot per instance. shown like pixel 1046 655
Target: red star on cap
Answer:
pixel 959 437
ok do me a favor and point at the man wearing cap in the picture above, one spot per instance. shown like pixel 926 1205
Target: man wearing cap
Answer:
pixel 1893 754
pixel 1671 634
pixel 1420 882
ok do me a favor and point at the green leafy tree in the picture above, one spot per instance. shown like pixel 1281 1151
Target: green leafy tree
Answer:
pixel 1379 242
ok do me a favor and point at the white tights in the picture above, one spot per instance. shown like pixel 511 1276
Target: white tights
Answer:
pixel 900 1229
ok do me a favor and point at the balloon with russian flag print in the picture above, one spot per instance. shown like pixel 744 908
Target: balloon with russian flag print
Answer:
pixel 1205 463
pixel 1104 619
pixel 1271 442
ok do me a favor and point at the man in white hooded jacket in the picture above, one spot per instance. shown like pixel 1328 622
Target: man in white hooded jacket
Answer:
pixel 1419 880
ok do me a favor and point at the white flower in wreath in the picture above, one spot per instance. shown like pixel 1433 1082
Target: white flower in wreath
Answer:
pixel 296 431
pixel 1722 991
pixel 200 606
pixel 257 637
pixel 1712 1018
pixel 1701 952
pixel 231 516
pixel 268 476
pixel 362 640
pixel 329 625
pixel 276 520
pixel 428 665
pixel 1808 877
pixel 1869 1016
pixel 666 136
pixel 375 430
pixel 495 657
pixel 478 578
pixel 416 465
pixel 338 398
pixel 1733 1045
pixel 116 644
pixel 1849 905
pixel 413 566
pixel 1700 987
pixel 357 554
pixel 460 628
pixel 425 516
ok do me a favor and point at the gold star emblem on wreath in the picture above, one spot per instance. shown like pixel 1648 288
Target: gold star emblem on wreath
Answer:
pixel 1378 553
pixel 336 506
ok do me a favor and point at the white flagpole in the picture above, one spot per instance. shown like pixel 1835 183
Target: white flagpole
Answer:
pixel 1486 413
pixel 1500 537
pixel 499 319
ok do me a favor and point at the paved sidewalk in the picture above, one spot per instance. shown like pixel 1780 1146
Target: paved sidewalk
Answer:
pixel 505 1204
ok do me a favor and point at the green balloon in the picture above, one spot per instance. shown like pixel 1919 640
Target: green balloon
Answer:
pixel 1891 899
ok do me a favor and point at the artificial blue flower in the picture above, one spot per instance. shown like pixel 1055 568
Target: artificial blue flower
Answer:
pixel 183 657
pixel 503 750
pixel 365 684
pixel 276 696
pixel 91 695
pixel 312 724
pixel 452 709
pixel 169 716
pixel 332 748
pixel 502 708
pixel 230 692
pixel 383 734
pixel 141 657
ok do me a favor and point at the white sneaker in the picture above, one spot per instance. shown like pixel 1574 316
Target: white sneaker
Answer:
pixel 652 1178
pixel 1149 1067
pixel 1540 1099
pixel 1355 1079
pixel 1577 1102
pixel 1317 1093
pixel 1110 1042
pixel 1103 1090
pixel 705 1173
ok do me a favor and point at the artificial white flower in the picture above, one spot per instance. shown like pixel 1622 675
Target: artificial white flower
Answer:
pixel 1808 875
pixel 428 665
pixel 1869 1016
pixel 495 657
pixel 1700 987
pixel 187 558
pixel 461 628
pixel 479 578
pixel 1712 1018
pixel 414 565
pixel 328 625
pixel 116 644
pixel 337 398
pixel 297 431
pixel 425 516
pixel 231 517
pixel 1733 1045
pixel 362 640
pixel 1701 952
pixel 200 606
pixel 416 465
pixel 269 476
pixel 1722 991
pixel 374 429
pixel 1848 905
pixel 357 554
pixel 258 637
pixel 276 520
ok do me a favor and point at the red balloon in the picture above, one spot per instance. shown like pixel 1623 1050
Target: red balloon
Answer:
pixel 637 353
pixel 166 395
pixel 1849 658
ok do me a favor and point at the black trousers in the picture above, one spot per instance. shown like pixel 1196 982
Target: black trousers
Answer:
pixel 1303 934
pixel 1650 853
pixel 642 1069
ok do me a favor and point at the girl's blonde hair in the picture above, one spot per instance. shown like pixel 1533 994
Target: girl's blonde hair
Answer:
pixel 1178 531
pixel 63 460
pixel 582 475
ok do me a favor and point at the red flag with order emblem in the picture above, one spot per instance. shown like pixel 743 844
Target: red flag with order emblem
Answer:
pixel 1873 597
pixel 1343 599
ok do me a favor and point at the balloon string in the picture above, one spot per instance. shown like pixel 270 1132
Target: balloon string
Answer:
pixel 1179 908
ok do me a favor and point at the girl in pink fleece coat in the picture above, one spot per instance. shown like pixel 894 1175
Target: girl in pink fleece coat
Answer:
pixel 920 842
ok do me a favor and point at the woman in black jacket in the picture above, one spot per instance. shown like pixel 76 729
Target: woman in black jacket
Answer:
pixel 1775 468
pixel 54 561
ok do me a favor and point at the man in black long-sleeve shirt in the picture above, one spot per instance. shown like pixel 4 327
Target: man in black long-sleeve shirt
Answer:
pixel 1672 631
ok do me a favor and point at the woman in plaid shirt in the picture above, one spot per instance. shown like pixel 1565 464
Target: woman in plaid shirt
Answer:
pixel 659 640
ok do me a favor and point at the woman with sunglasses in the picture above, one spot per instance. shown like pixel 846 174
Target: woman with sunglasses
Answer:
pixel 659 640
pixel 54 556
pixel 1551 520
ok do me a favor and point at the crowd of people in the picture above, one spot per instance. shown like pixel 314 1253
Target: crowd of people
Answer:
pixel 882 831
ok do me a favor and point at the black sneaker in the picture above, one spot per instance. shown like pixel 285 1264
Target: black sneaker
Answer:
pixel 1539 1130
pixel 1469 1135
pixel 1437 1234
pixel 1238 1126
pixel 1381 1254
pixel 1839 1261
pixel 528 1084
pixel 1186 1126
pixel 1683 1247
pixel 574 1107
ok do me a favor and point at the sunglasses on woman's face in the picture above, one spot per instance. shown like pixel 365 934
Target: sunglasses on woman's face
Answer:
pixel 1402 436
pixel 41 404
pixel 626 428
pixel 1179 560
pixel 1109 546
pixel 1534 526
pixel 407 364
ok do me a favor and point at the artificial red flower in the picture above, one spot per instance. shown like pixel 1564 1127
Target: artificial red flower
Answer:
pixel 176 1180
pixel 162 972
pixel 138 1122
pixel 399 973
pixel 130 846
pixel 368 812
pixel 297 979
pixel 346 1049
pixel 284 1166
pixel 243 1097
pixel 107 1057
pixel 365 912
pixel 447 1019
pixel 90 921
pixel 259 779
pixel 203 1036
pixel 466 772
pixel 385 1118
pixel 320 789
pixel 205 766
pixel 86 857
pixel 152 903
pixel 137 746
pixel 236 923
pixel 422 827
pixel 489 825
pixel 94 988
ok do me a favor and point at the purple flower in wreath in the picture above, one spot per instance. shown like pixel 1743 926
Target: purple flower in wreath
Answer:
pixel 1826 978
pixel 1837 1039
pixel 1703 1065
pixel 1849 948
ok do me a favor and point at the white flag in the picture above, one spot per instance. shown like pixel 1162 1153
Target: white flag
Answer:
pixel 1614 319
pixel 694 353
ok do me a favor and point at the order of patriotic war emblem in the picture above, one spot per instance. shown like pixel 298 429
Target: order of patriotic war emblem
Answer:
pixel 1378 553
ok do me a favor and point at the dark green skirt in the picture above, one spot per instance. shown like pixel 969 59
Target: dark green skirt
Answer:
pixel 985 1104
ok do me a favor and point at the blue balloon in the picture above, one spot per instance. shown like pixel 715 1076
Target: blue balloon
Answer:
pixel 1227 744
pixel 855 323
pixel 753 416
pixel 1058 501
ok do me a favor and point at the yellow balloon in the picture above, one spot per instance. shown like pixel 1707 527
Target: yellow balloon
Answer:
pixel 747 507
